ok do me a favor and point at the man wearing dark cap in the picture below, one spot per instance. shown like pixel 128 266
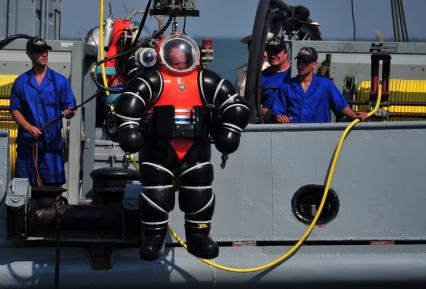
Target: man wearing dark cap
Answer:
pixel 38 96
pixel 274 76
pixel 309 98
pixel 241 72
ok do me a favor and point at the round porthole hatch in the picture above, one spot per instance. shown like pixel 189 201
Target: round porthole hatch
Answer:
pixel 306 201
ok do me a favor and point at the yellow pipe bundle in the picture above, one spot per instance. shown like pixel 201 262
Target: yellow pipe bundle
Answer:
pixel 400 90
pixel 6 82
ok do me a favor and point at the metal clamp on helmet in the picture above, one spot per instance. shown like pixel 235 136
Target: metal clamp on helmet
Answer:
pixel 179 53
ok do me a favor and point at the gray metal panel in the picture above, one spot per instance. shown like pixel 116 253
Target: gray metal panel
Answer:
pixel 3 19
pixel 4 163
pixel 379 180
pixel 16 62
pixel 75 133
pixel 350 58
pixel 88 157
pixel 357 47
pixel 367 181
pixel 36 17
pixel 376 165
pixel 4 179
pixel 312 266
pixel 57 20
pixel 25 20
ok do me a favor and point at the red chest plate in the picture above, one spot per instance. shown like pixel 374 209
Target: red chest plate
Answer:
pixel 182 92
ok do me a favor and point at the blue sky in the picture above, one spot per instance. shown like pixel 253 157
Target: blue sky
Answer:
pixel 234 18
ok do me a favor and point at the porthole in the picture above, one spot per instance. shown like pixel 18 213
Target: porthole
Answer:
pixel 306 201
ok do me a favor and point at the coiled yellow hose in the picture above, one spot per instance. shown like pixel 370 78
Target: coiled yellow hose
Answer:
pixel 6 83
pixel 400 90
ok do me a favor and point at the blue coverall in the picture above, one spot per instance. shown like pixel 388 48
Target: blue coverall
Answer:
pixel 271 83
pixel 314 106
pixel 39 104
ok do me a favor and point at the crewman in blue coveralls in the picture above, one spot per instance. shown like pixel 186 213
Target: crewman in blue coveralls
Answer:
pixel 38 96
pixel 275 75
pixel 309 98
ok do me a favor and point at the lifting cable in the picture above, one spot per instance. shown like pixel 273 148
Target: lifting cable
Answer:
pixel 400 31
pixel 142 24
pixel 353 20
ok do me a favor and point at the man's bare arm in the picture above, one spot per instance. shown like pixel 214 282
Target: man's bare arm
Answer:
pixel 347 111
pixel 21 121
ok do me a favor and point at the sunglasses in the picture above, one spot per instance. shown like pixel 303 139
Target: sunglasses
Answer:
pixel 303 61
pixel 39 51
pixel 273 51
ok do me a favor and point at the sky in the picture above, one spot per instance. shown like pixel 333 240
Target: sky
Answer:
pixel 234 18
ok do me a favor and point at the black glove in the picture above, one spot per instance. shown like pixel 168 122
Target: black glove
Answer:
pixel 226 141
pixel 130 138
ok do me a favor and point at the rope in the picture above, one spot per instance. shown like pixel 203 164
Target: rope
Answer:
pixel 34 148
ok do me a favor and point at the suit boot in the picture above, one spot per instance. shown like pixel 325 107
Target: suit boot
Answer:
pixel 152 243
pixel 199 242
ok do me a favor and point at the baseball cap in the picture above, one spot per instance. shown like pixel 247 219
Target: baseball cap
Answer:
pixel 37 44
pixel 308 54
pixel 276 43
pixel 246 39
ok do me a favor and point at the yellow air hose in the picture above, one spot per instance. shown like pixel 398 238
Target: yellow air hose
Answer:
pixel 135 164
pixel 101 43
pixel 314 221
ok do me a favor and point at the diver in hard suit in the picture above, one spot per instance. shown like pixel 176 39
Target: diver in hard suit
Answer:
pixel 169 113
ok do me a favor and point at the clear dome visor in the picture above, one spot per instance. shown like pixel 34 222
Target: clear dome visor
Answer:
pixel 179 53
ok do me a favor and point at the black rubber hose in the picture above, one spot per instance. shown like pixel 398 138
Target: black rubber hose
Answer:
pixel 158 34
pixel 397 20
pixel 93 70
pixel 252 93
pixel 353 19
pixel 11 38
pixel 393 20
pixel 403 22
pixel 142 24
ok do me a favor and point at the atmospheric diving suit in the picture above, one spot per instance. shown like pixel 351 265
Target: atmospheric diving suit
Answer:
pixel 170 112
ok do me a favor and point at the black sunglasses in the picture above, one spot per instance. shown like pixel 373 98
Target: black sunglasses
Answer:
pixel 273 50
pixel 303 61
